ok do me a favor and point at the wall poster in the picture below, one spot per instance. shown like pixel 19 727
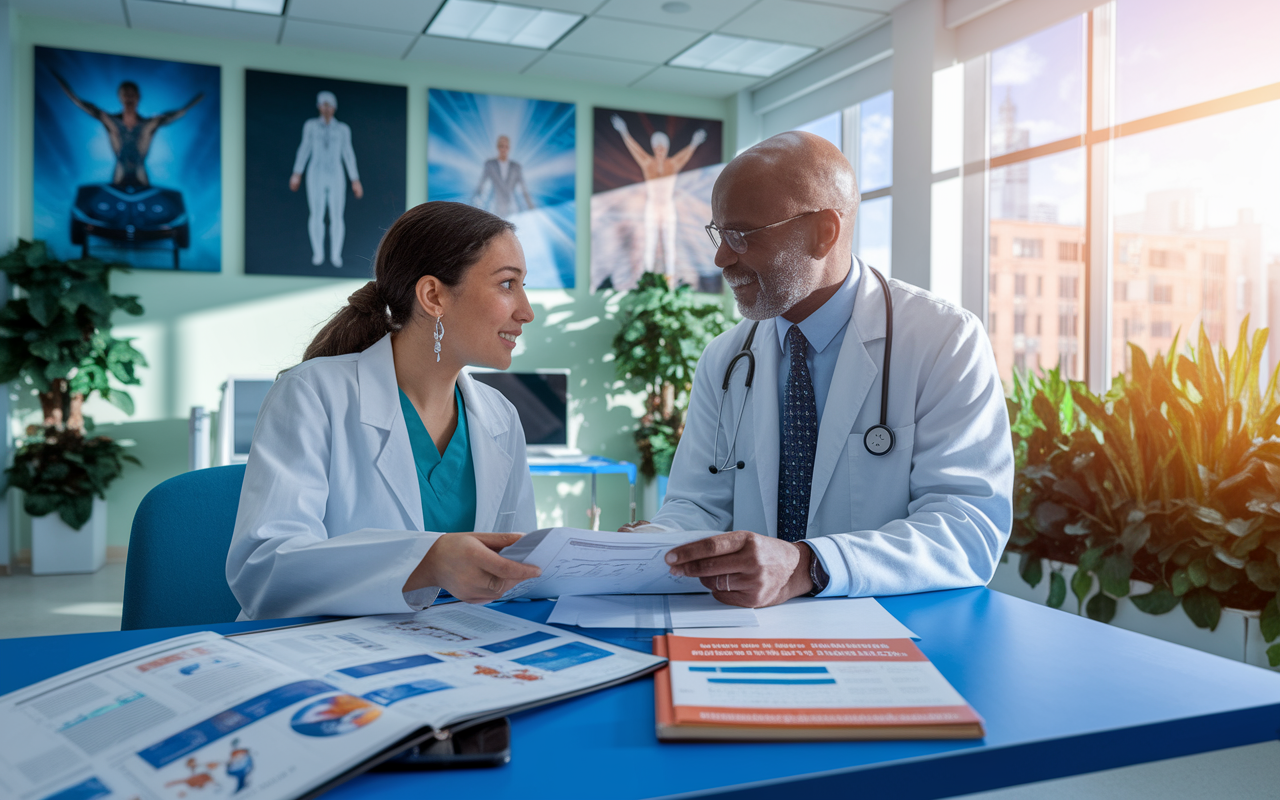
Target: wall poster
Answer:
pixel 128 159
pixel 651 197
pixel 325 173
pixel 516 158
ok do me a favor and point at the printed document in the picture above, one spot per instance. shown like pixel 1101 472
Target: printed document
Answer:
pixel 575 561
pixel 277 714
pixel 660 611
pixel 842 617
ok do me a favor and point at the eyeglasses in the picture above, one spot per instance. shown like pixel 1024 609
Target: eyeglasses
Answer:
pixel 737 240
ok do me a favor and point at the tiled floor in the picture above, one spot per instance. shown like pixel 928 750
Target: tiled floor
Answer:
pixel 54 604
pixel 43 605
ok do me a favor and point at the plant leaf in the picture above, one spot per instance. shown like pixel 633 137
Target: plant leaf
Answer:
pixel 1058 590
pixel 1203 608
pixel 1031 568
pixel 1198 573
pixel 1101 607
pixel 1269 622
pixel 1273 655
pixel 1157 601
pixel 1114 574
pixel 1081 585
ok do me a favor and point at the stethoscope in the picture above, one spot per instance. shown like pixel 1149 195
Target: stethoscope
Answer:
pixel 878 439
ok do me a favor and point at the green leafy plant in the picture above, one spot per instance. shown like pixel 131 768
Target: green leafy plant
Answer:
pixel 56 340
pixel 1172 478
pixel 663 333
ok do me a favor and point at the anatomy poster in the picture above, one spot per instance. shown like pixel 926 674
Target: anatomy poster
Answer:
pixel 516 158
pixel 651 197
pixel 325 172
pixel 128 159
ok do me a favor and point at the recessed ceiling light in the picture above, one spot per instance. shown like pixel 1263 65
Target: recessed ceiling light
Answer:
pixel 502 23
pixel 676 7
pixel 740 56
pixel 256 6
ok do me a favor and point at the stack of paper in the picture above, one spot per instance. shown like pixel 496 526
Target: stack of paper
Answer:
pixel 650 611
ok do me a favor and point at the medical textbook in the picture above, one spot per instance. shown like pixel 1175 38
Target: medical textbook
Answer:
pixel 285 713
pixel 810 689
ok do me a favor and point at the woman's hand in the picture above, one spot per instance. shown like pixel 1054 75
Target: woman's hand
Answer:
pixel 467 565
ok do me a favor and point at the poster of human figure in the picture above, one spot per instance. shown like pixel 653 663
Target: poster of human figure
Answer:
pixel 651 198
pixel 128 159
pixel 325 173
pixel 516 158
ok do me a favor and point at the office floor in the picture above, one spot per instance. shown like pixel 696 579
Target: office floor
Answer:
pixel 55 604
pixel 51 604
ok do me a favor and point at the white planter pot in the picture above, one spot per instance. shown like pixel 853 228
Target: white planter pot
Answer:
pixel 1237 637
pixel 57 548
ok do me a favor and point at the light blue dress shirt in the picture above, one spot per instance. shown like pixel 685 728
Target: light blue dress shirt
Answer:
pixel 825 329
pixel 447 482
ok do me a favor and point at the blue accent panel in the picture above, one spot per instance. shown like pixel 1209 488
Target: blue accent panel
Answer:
pixel 563 657
pixel 379 667
pixel 91 789
pixel 394 694
pixel 789 681
pixel 522 641
pixel 779 670
pixel 227 722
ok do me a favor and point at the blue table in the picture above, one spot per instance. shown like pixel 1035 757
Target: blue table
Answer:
pixel 1061 695
pixel 593 466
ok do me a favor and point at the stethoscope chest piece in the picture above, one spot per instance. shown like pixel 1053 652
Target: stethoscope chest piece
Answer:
pixel 878 440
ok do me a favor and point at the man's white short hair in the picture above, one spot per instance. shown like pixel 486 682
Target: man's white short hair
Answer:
pixel 327 97
pixel 660 138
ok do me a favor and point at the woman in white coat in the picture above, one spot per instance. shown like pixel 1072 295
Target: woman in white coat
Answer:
pixel 376 464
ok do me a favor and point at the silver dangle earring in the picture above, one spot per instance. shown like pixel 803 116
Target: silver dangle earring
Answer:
pixel 439 334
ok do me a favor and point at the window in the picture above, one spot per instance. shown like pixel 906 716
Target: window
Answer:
pixel 991 325
pixel 1039 319
pixel 829 127
pixel 1028 248
pixel 1069 287
pixel 872 119
pixel 995 245
pixel 995 283
pixel 1020 285
pixel 1019 323
pixel 1039 286
pixel 1173 155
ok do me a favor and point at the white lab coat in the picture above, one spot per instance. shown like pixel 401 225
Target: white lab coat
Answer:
pixel 330 518
pixel 934 513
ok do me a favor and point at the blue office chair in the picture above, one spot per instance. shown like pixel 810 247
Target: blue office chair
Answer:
pixel 176 573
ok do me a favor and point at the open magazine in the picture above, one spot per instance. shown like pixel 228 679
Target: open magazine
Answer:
pixel 285 713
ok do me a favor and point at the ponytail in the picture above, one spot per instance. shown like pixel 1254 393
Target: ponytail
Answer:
pixel 439 238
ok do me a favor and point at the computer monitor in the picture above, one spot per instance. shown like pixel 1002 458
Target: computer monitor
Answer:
pixel 238 415
pixel 541 398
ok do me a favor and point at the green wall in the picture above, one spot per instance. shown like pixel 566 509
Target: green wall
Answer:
pixel 200 328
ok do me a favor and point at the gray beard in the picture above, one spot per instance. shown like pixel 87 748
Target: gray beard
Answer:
pixel 787 285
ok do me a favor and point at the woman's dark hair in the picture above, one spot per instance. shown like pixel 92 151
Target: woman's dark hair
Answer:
pixel 437 238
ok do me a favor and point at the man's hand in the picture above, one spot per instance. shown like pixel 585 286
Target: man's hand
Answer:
pixel 357 188
pixel 699 136
pixel 468 566
pixel 631 526
pixel 295 180
pixel 742 568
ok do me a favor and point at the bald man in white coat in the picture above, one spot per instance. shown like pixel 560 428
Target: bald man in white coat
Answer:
pixel 816 498
pixel 324 151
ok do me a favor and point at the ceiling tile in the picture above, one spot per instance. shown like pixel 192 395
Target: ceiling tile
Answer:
pixel 406 16
pixel 800 23
pixel 200 21
pixel 572 6
pixel 880 6
pixel 477 55
pixel 385 44
pixel 586 68
pixel 695 81
pixel 703 15
pixel 106 12
pixel 632 41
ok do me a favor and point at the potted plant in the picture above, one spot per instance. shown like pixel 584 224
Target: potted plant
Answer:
pixel 56 340
pixel 1169 481
pixel 663 333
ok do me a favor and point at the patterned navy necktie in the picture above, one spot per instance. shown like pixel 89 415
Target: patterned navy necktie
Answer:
pixel 799 442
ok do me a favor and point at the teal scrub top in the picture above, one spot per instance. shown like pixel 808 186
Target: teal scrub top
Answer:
pixel 446 482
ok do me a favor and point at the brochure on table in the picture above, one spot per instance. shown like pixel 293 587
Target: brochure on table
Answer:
pixel 576 561
pixel 282 713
